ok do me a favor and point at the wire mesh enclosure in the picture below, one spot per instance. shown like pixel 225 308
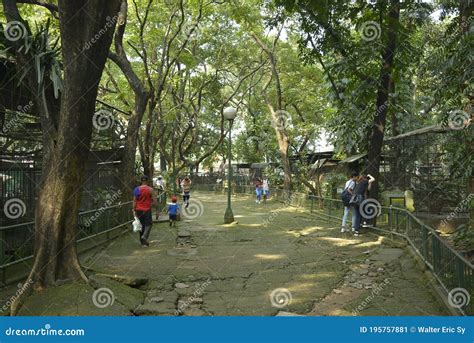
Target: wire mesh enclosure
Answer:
pixel 421 161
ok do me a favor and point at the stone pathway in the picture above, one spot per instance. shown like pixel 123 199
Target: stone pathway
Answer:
pixel 294 264
pixel 276 260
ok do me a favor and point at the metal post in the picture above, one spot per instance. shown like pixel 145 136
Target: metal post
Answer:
pixel 2 248
pixel 329 210
pixel 408 224
pixel 229 216
pixel 390 219
pixel 435 246
pixel 424 233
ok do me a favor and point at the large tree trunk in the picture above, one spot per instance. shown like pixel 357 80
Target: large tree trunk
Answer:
pixel 141 100
pixel 55 256
pixel 397 167
pixel 283 147
pixel 376 141
pixel 130 146
pixel 163 164
pixel 278 115
pixel 148 143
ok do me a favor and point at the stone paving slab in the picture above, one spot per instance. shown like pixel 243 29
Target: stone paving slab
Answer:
pixel 296 264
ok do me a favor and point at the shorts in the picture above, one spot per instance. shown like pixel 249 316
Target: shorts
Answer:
pixel 173 216
pixel 145 217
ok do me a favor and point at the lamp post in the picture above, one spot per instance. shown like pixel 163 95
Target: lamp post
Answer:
pixel 229 114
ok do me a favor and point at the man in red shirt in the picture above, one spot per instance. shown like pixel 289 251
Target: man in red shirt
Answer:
pixel 142 202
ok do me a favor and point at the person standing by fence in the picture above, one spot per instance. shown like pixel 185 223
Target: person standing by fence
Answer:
pixel 359 195
pixel 346 198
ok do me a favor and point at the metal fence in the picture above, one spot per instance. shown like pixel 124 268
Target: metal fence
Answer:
pixel 94 227
pixel 449 267
pixel 21 186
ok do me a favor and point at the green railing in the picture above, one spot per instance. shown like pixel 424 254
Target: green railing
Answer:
pixel 94 227
pixel 449 267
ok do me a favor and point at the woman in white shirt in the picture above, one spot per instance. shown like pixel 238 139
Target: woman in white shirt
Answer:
pixel 266 190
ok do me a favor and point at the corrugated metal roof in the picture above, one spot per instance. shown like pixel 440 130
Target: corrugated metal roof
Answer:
pixel 421 131
pixel 259 165
pixel 353 158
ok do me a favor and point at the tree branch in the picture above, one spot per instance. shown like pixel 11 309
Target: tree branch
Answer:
pixel 51 7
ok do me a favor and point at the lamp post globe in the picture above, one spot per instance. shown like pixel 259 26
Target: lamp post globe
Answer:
pixel 230 113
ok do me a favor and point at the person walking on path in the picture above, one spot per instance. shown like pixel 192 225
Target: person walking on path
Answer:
pixel 179 181
pixel 186 187
pixel 225 186
pixel 160 184
pixel 173 210
pixel 358 196
pixel 265 189
pixel 258 190
pixel 346 198
pixel 161 197
pixel 142 203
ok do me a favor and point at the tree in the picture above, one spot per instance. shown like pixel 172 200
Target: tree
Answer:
pixel 55 256
pixel 142 96
pixel 44 90
pixel 277 113
pixel 327 32
pixel 385 79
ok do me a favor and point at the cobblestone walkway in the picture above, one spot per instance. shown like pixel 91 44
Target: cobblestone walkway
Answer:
pixel 275 261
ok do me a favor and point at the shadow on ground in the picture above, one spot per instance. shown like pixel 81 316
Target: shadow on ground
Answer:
pixel 275 260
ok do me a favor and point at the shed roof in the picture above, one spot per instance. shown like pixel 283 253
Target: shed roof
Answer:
pixel 427 129
pixel 353 158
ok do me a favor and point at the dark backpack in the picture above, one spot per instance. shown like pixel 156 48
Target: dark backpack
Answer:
pixel 346 196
